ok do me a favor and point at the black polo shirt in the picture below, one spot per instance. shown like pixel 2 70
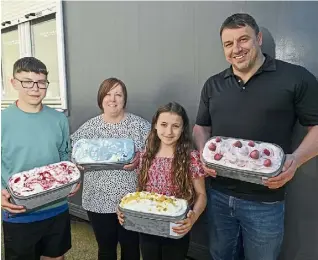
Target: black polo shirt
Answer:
pixel 265 108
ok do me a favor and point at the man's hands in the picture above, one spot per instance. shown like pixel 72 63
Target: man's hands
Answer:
pixel 6 205
pixel 207 170
pixel 288 172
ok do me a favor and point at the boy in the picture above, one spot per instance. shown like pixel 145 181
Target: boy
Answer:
pixel 33 135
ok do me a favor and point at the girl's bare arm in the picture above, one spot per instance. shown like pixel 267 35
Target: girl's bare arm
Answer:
pixel 200 197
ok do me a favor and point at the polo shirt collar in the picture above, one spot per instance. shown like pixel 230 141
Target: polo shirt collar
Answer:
pixel 268 65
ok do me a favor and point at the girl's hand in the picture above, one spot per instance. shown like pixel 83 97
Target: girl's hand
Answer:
pixel 134 163
pixel 186 224
pixel 121 217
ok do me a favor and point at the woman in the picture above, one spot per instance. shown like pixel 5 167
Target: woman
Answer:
pixel 102 190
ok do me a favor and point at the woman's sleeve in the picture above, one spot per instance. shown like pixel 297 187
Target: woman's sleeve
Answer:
pixel 140 130
pixel 144 132
pixel 196 169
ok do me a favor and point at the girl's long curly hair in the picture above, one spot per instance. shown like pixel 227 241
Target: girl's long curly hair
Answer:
pixel 181 161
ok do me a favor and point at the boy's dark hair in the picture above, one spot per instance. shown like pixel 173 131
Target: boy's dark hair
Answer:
pixel 239 20
pixel 29 64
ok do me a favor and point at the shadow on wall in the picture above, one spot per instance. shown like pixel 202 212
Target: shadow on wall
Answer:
pixel 268 46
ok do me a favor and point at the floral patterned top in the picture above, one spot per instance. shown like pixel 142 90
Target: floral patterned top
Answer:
pixel 159 174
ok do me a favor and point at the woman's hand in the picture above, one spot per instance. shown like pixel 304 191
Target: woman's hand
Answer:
pixel 186 224
pixel 121 217
pixel 6 205
pixel 134 163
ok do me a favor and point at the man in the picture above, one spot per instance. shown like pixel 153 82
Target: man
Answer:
pixel 257 98
pixel 33 135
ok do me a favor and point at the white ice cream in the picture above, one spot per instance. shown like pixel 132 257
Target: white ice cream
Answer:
pixel 43 178
pixel 154 203
pixel 239 158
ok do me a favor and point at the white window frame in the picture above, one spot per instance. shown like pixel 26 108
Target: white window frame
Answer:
pixel 24 31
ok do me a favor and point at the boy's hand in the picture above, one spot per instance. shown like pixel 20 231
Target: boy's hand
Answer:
pixel 81 168
pixel 120 217
pixel 186 224
pixel 6 205
pixel 75 190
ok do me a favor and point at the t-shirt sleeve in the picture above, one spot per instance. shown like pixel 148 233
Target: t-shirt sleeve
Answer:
pixel 196 169
pixel 65 149
pixel 203 115
pixel 306 99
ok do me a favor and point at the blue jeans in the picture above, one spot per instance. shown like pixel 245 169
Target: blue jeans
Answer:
pixel 260 226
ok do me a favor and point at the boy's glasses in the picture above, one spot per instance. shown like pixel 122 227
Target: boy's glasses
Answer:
pixel 30 84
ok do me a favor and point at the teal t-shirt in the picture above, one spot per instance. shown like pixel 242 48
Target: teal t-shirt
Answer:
pixel 30 140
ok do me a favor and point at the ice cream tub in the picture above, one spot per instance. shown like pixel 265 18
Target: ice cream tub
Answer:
pixel 43 185
pixel 241 159
pixel 103 153
pixel 152 213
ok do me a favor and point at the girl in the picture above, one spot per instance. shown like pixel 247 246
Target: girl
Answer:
pixel 169 167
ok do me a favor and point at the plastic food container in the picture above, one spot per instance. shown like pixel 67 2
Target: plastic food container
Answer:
pixel 39 196
pixel 103 154
pixel 151 223
pixel 245 160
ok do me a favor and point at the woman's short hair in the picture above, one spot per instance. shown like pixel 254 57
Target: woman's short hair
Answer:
pixel 106 86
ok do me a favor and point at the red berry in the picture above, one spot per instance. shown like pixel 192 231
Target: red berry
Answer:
pixel 238 144
pixel 17 180
pixel 267 152
pixel 218 157
pixel 267 163
pixel 218 139
pixel 251 144
pixel 212 146
pixel 254 154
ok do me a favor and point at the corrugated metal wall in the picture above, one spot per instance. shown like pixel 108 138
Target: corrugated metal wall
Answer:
pixel 165 51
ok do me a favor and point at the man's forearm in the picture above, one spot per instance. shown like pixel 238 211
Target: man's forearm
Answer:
pixel 308 147
pixel 200 135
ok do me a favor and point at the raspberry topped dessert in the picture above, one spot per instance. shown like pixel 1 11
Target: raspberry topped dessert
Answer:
pixel 43 178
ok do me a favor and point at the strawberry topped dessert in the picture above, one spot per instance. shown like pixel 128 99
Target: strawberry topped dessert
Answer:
pixel 242 154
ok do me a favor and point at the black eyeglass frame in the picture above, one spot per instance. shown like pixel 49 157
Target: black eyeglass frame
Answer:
pixel 34 82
